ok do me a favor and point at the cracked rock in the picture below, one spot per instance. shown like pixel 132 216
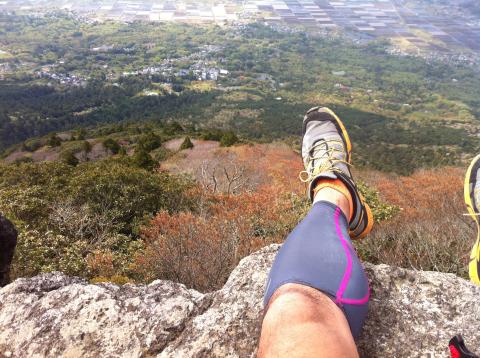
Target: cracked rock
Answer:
pixel 53 315
pixel 412 314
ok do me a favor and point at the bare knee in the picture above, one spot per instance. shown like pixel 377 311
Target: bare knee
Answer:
pixel 302 321
pixel 301 302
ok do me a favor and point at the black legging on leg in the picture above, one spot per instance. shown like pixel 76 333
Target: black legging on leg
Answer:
pixel 319 253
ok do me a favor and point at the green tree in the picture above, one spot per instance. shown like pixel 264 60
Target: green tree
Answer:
pixel 187 143
pixel 126 193
pixel 228 139
pixel 29 188
pixel 102 205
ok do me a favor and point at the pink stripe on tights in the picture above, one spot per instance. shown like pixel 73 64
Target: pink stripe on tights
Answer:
pixel 348 270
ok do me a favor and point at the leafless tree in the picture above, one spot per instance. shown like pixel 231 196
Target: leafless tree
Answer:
pixel 224 175
pixel 81 223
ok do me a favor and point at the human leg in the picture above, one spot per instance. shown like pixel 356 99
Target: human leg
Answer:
pixel 302 321
pixel 317 294
pixel 319 254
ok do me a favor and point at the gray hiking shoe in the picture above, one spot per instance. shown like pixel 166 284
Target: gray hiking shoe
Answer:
pixel 326 153
pixel 472 199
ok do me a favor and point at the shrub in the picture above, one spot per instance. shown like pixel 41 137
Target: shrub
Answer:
pixel 111 145
pixel 172 128
pixel 32 145
pixel 45 252
pixel 381 211
pixel 81 134
pixel 186 144
pixel 143 159
pixel 23 160
pixel 126 193
pixel 27 190
pixel 86 146
pixel 150 141
pixel 54 141
pixel 228 139
pixel 212 135
pixel 200 250
pixel 115 279
pixel 77 211
pixel 95 219
pixel 161 154
pixel 430 232
pixel 38 252
pixel 68 157
pixel 113 259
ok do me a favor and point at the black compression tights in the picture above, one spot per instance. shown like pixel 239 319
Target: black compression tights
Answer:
pixel 319 253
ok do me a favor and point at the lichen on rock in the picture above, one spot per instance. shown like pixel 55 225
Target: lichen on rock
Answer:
pixel 412 314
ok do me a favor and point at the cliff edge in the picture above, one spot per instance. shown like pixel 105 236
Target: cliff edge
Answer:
pixel 412 314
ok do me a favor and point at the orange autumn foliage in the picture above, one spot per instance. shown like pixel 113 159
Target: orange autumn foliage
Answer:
pixel 430 232
pixel 423 191
pixel 200 249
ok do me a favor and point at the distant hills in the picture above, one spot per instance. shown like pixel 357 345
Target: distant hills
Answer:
pixel 254 79
pixel 420 27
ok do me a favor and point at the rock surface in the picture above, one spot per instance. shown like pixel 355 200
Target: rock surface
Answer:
pixel 412 314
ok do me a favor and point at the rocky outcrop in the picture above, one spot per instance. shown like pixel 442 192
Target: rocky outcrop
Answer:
pixel 412 314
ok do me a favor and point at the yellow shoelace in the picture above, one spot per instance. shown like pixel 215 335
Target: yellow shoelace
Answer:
pixel 326 159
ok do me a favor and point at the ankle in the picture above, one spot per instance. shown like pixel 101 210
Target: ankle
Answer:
pixel 335 192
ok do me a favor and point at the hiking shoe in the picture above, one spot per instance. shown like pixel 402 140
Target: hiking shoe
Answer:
pixel 471 191
pixel 326 153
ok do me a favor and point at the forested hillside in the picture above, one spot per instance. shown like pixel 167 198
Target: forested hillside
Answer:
pixel 137 151
pixel 60 72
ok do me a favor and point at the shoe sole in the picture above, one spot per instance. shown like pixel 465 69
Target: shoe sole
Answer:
pixel 370 222
pixel 338 123
pixel 474 266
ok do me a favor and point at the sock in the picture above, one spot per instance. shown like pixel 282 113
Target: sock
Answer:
pixel 338 185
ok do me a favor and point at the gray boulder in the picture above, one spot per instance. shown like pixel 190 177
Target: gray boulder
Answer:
pixel 412 314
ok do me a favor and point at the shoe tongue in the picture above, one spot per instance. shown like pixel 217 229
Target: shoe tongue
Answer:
pixel 329 143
